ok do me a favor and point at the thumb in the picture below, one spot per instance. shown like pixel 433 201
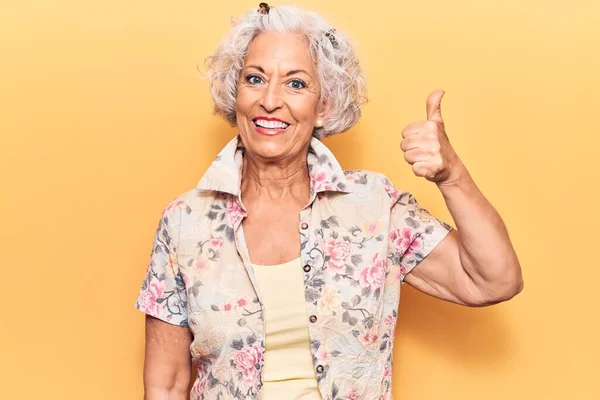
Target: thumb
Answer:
pixel 434 112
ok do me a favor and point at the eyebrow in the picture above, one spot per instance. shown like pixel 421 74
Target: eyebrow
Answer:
pixel 291 72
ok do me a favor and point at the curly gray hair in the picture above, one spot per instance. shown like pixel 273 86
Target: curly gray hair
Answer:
pixel 340 76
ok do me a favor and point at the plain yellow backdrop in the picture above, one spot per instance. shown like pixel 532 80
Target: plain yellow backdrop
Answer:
pixel 105 118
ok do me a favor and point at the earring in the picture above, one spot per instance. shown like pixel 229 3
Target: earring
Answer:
pixel 319 123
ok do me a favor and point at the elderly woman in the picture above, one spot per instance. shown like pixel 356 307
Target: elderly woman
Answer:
pixel 279 275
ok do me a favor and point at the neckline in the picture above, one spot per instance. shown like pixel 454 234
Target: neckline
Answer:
pixel 277 265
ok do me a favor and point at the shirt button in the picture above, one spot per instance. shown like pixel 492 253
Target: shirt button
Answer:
pixel 319 368
pixel 306 268
pixel 313 318
pixel 304 225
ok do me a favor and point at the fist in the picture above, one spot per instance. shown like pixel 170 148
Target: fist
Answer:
pixel 426 146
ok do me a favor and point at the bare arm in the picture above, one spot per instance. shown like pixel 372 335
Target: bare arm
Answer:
pixel 167 363
pixel 475 264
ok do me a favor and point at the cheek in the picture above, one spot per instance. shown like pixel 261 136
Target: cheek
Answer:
pixel 244 100
pixel 303 109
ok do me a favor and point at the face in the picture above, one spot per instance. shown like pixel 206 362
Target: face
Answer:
pixel 277 98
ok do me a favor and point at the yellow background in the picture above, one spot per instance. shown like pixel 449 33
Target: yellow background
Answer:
pixel 105 118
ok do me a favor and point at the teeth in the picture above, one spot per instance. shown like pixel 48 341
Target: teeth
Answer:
pixel 271 124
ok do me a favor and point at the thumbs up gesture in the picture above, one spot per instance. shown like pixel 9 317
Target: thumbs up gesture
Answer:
pixel 426 146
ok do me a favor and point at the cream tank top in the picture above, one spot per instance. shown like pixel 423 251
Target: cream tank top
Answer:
pixel 288 370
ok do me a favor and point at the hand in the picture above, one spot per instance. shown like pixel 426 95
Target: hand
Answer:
pixel 427 147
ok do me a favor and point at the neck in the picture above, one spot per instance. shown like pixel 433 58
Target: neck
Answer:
pixel 275 180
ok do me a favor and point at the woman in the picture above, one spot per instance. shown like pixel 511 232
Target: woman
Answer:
pixel 278 276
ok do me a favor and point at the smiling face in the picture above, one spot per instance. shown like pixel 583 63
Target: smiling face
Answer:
pixel 277 97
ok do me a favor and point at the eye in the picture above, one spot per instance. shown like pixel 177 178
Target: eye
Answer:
pixel 253 79
pixel 297 84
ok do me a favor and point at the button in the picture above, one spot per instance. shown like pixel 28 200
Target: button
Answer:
pixel 313 318
pixel 319 368
pixel 304 225
pixel 306 268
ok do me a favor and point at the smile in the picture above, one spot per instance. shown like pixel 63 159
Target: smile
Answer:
pixel 270 126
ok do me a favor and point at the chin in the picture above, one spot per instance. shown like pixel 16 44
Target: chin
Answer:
pixel 268 147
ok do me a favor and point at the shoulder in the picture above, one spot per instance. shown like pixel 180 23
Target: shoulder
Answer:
pixel 189 206
pixel 366 181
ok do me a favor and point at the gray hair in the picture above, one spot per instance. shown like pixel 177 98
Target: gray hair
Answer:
pixel 340 76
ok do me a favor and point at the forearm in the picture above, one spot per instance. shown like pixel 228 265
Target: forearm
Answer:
pixel 486 252
pixel 167 383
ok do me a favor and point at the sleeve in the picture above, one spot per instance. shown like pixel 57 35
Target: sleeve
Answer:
pixel 163 293
pixel 414 232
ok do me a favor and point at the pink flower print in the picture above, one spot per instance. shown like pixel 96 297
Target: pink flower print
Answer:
pixel 371 228
pixel 248 361
pixel 322 354
pixel 373 275
pixel 391 190
pixel 202 263
pixel 201 383
pixel 368 338
pixel 387 371
pixel 235 213
pixel 388 320
pixel 318 178
pixel 200 386
pixel 215 242
pixel 226 308
pixel 405 241
pixel 339 254
pixel 154 291
pixel 320 181
pixel 353 395
pixel 241 302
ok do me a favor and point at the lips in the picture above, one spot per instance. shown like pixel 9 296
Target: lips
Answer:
pixel 270 126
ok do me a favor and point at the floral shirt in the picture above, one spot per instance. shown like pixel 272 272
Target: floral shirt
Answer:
pixel 359 238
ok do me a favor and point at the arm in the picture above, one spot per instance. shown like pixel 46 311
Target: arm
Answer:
pixel 164 301
pixel 167 362
pixel 475 264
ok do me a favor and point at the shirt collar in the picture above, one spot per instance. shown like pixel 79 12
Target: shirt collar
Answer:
pixel 224 174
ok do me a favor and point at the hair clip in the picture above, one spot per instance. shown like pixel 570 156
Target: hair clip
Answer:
pixel 263 8
pixel 331 35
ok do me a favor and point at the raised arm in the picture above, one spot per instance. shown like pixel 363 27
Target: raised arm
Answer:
pixel 167 363
pixel 475 264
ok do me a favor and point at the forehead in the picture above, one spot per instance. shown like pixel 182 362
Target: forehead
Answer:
pixel 282 50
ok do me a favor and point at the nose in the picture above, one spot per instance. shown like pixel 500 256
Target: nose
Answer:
pixel 272 99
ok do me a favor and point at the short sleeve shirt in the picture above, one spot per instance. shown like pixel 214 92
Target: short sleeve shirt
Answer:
pixel 360 237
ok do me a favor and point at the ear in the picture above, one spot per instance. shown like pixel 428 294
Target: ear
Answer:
pixel 322 110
